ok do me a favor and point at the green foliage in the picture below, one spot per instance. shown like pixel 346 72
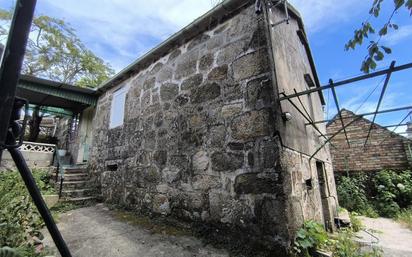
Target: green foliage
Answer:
pixel 376 51
pixel 19 219
pixel 344 246
pixel 405 218
pixel 352 195
pixel 310 237
pixel 390 192
pixel 394 192
pixel 55 52
pixel 355 221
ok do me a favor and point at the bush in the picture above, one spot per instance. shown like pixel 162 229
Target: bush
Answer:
pixel 394 192
pixel 312 236
pixel 19 218
pixel 388 194
pixel 352 195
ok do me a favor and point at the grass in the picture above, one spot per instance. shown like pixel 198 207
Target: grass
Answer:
pixel 405 218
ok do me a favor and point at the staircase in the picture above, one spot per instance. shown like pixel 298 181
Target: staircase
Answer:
pixel 76 187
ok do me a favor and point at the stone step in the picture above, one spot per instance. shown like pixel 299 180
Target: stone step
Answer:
pixel 75 193
pixel 76 177
pixel 75 184
pixel 81 200
pixel 74 171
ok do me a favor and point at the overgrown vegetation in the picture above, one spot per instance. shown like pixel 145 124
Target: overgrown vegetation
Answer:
pixel 352 195
pixel 20 221
pixel 405 218
pixel 388 194
pixel 312 236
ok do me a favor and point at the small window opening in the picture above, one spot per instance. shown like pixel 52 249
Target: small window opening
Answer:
pixel 308 183
pixel 117 108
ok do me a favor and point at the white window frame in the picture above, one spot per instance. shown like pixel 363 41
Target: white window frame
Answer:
pixel 117 108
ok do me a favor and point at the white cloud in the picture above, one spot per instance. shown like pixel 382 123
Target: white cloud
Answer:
pixel 319 14
pixel 122 30
pixel 395 37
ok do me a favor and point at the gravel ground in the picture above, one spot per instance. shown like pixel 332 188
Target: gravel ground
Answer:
pixel 393 238
pixel 98 231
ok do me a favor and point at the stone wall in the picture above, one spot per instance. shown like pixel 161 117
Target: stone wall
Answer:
pixel 200 138
pixel 384 150
pixel 309 182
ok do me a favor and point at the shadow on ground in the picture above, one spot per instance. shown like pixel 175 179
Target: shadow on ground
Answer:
pixel 98 231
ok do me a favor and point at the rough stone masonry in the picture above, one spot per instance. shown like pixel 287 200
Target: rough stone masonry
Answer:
pixel 201 135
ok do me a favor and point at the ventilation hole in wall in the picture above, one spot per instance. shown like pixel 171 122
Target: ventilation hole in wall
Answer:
pixel 112 167
pixel 309 80
pixel 308 183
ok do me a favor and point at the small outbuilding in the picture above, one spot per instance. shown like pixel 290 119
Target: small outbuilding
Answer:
pixel 194 129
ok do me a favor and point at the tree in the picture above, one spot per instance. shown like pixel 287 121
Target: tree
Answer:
pixel 55 52
pixel 376 51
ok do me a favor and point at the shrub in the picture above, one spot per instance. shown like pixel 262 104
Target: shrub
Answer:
pixel 393 192
pixel 312 236
pixel 389 192
pixel 352 195
pixel 19 218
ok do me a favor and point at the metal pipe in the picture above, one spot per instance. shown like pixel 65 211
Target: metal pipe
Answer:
pixel 335 97
pixel 39 202
pixel 330 138
pixel 357 130
pixel 393 131
pixel 351 80
pixel 366 114
pixel 385 85
pixel 307 119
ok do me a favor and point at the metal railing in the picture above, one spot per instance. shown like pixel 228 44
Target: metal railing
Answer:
pixel 58 154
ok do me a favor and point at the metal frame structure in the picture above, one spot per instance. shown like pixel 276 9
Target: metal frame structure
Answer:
pixel 11 106
pixel 332 85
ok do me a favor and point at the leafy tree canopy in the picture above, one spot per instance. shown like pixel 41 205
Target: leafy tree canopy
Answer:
pixel 55 52
pixel 376 51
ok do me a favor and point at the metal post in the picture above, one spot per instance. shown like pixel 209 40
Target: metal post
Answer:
pixel 351 80
pixel 334 135
pixel 306 118
pixel 393 130
pixel 13 60
pixel 385 85
pixel 366 114
pixel 335 98
pixel 9 112
pixel 39 202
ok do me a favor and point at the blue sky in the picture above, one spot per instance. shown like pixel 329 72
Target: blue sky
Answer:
pixel 119 31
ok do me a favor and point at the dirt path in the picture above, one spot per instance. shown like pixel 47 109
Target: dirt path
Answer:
pixel 97 231
pixel 395 240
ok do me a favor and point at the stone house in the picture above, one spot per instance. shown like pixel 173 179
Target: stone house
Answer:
pixel 194 129
pixel 384 150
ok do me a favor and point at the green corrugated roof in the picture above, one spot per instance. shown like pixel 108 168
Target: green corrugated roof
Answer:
pixel 59 91
pixel 53 110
